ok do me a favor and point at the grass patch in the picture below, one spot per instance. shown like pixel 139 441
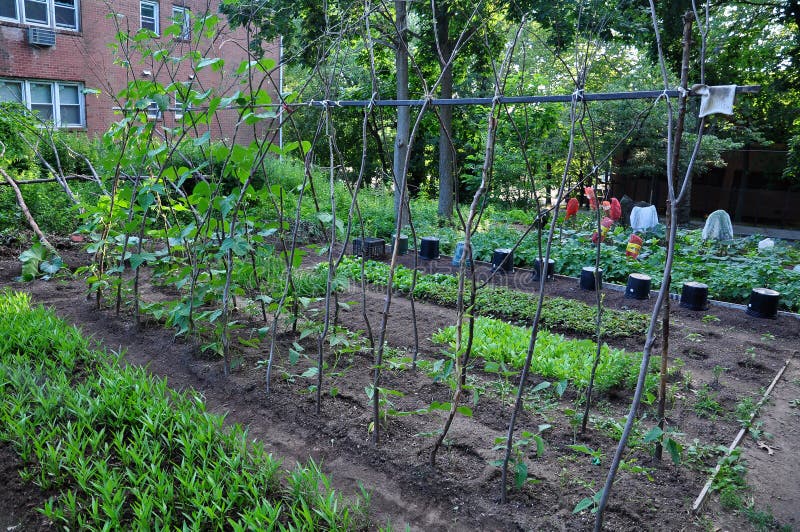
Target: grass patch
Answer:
pixel 122 450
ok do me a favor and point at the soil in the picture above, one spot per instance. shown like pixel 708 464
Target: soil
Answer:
pixel 462 490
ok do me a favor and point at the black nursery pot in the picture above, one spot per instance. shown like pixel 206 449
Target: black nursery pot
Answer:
pixel 537 269
pixel 503 260
pixel 763 303
pixel 429 248
pixel 402 244
pixel 587 278
pixel 694 296
pixel 638 286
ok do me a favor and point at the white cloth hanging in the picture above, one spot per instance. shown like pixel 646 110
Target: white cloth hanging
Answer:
pixel 715 99
pixel 644 218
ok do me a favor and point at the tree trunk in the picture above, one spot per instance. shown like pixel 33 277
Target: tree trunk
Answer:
pixel 446 149
pixel 403 113
pixel 27 213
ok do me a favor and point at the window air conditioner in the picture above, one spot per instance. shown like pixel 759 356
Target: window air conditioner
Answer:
pixel 41 37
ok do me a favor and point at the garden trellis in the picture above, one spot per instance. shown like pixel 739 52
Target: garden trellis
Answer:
pixel 223 232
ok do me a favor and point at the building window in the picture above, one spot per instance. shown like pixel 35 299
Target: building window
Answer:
pixel 58 13
pixel 182 17
pixel 153 111
pixel 8 9
pixel 37 12
pixel 66 14
pixel 149 16
pixel 60 103
pixel 11 91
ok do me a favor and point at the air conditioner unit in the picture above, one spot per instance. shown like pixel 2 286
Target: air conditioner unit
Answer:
pixel 41 37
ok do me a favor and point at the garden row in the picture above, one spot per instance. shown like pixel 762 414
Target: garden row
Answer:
pixel 557 313
pixel 122 450
pixel 731 269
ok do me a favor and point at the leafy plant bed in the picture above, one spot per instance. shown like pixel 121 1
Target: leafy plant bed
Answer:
pixel 462 490
pixel 116 447
pixel 730 269
pixel 557 313
pixel 555 357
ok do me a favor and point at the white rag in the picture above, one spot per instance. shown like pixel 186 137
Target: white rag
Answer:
pixel 644 218
pixel 716 99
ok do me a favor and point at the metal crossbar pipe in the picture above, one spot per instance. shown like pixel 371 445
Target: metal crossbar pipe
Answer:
pixel 560 98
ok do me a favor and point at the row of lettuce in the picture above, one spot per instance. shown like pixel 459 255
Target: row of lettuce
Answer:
pixel 115 448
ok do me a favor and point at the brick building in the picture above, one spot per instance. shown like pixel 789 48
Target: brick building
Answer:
pixel 58 58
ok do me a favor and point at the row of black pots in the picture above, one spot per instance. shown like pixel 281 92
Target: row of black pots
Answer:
pixel 694 295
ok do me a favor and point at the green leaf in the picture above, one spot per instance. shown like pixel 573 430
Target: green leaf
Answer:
pixel 654 434
pixel 541 386
pixel 539 445
pixel 464 411
pixel 520 474
pixel 238 245
pixel 310 373
pixel 586 502
pixel 675 450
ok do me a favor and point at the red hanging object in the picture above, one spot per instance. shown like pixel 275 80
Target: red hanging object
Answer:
pixel 616 209
pixel 572 208
pixel 634 246
pixel 589 191
pixel 605 225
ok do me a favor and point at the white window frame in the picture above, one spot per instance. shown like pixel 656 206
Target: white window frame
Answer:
pixel 55 97
pixel 76 8
pixel 50 6
pixel 153 112
pixel 183 16
pixel 15 3
pixel 155 17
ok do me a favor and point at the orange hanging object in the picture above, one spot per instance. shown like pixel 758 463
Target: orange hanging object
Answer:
pixel 589 191
pixel 634 246
pixel 572 208
pixel 616 209
pixel 605 225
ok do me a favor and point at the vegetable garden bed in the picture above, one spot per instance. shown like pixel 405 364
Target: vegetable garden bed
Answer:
pixel 725 358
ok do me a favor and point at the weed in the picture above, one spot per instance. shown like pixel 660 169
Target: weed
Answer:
pixel 519 451
pixel 710 318
pixel 694 337
pixel 717 371
pixel 707 404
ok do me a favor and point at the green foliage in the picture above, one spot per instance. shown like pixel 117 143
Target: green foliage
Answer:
pixel 16 133
pixel 115 447
pixel 555 357
pixel 38 261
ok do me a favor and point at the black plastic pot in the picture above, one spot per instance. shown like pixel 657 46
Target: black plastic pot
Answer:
pixel 694 295
pixel 459 252
pixel 503 260
pixel 638 286
pixel 763 303
pixel 537 269
pixel 587 278
pixel 402 246
pixel 371 248
pixel 429 248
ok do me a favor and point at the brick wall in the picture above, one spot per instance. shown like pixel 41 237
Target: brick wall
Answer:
pixel 85 56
